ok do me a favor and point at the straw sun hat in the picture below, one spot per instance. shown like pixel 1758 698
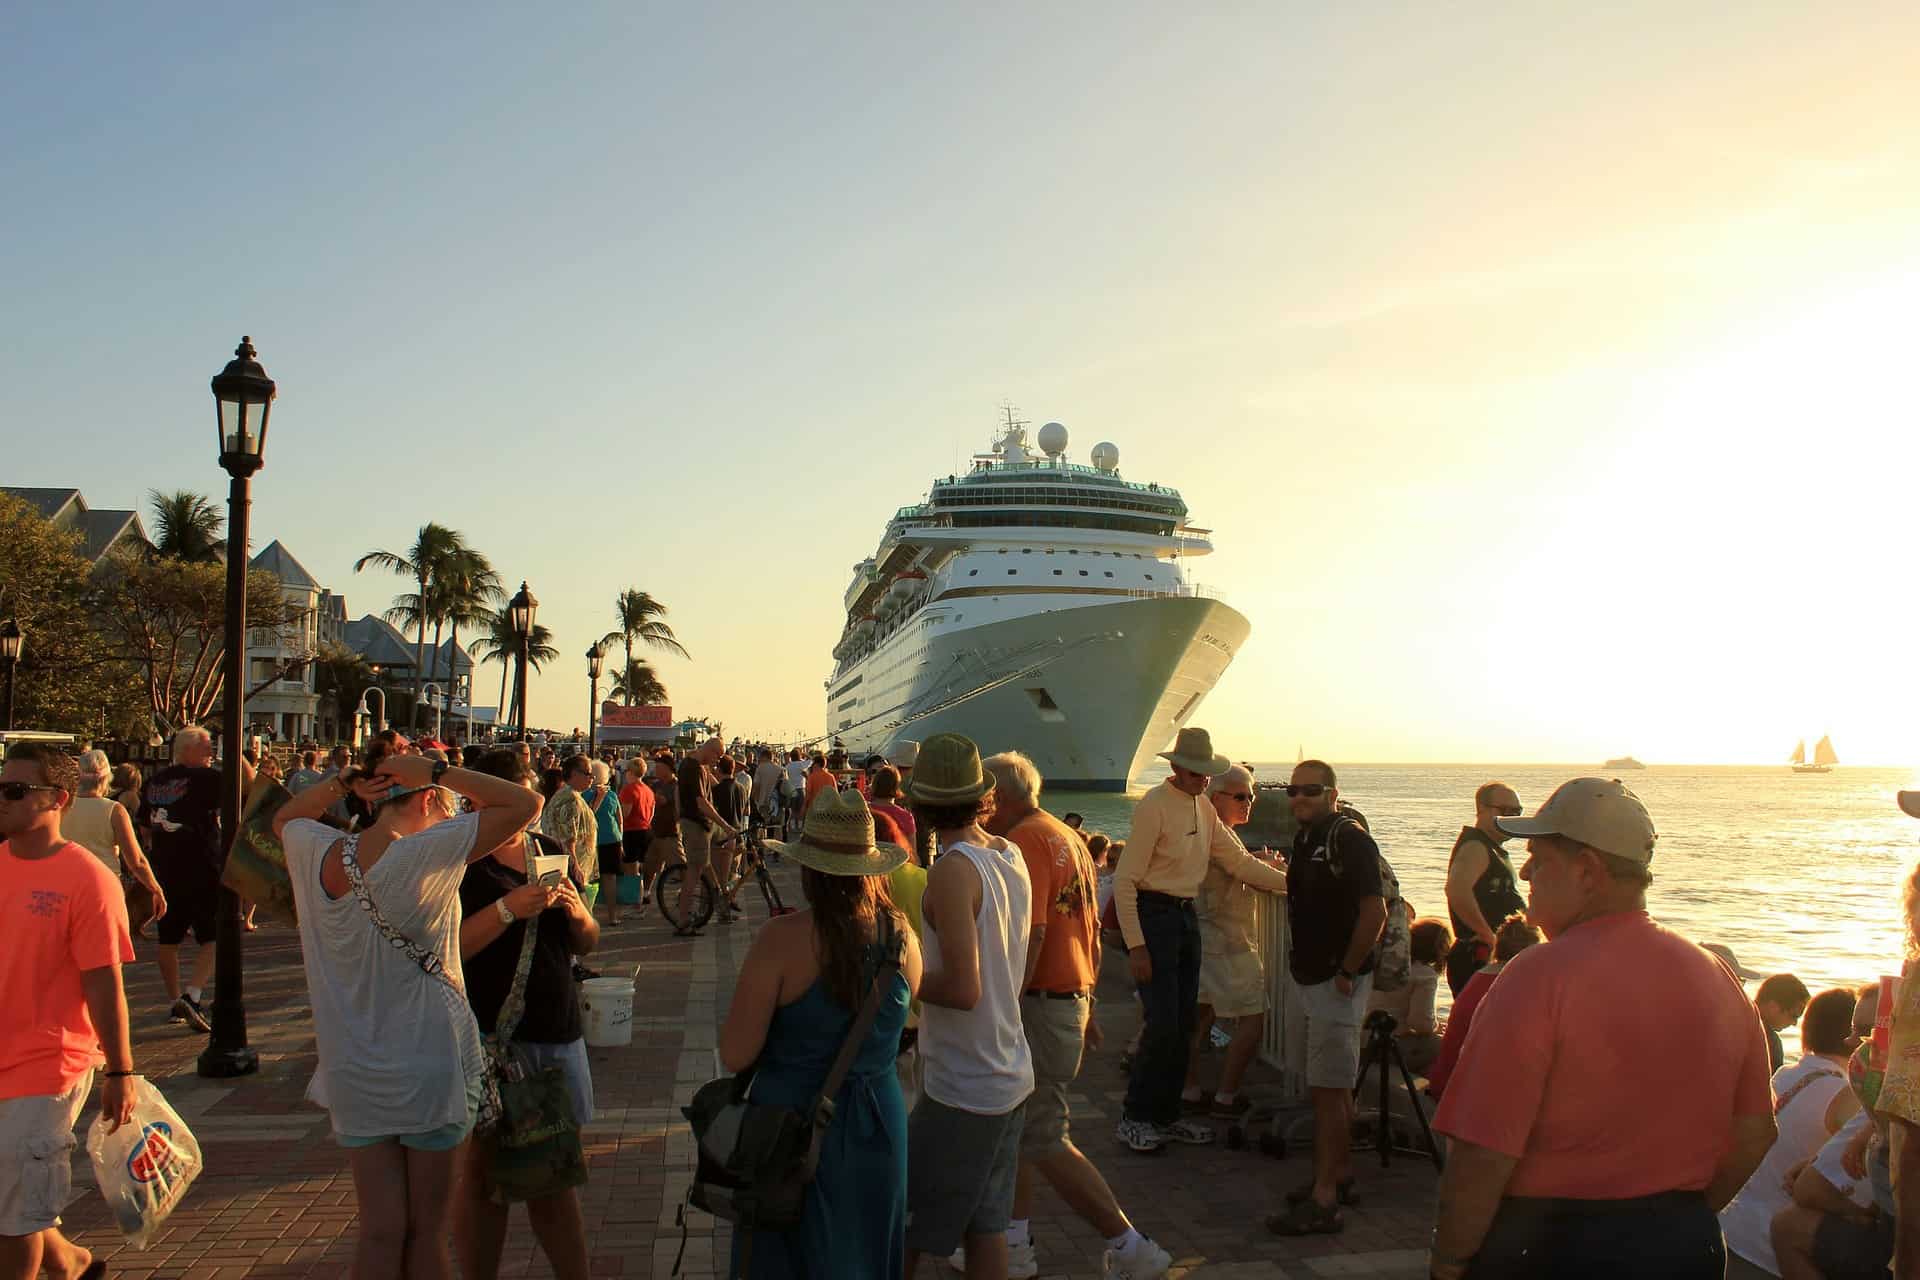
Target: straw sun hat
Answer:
pixel 837 839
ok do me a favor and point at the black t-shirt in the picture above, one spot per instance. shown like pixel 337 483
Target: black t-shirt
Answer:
pixel 181 804
pixel 727 801
pixel 1324 889
pixel 693 785
pixel 666 808
pixel 553 1013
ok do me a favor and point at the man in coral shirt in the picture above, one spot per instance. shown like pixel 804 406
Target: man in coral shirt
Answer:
pixel 1569 1159
pixel 65 922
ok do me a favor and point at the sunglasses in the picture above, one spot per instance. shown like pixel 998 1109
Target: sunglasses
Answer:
pixel 1308 789
pixel 17 791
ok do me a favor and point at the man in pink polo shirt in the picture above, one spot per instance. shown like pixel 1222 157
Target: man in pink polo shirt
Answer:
pixel 64 1012
pixel 1613 1095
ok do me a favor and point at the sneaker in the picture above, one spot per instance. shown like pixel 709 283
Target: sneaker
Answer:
pixel 1187 1131
pixel 1147 1261
pixel 1235 1110
pixel 1140 1136
pixel 1022 1264
pixel 186 1009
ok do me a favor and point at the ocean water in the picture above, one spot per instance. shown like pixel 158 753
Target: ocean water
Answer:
pixel 1798 873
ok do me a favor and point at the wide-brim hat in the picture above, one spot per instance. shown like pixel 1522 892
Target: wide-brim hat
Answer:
pixel 905 754
pixel 837 839
pixel 1724 954
pixel 948 772
pixel 1597 812
pixel 1193 751
pixel 1910 803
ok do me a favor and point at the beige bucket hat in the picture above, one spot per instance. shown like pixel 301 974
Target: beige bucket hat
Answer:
pixel 837 839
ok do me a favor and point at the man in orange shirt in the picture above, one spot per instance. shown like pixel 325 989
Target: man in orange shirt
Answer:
pixel 1564 1161
pixel 1056 1012
pixel 65 922
pixel 819 778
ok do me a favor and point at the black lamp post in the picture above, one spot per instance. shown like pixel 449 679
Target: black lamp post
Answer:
pixel 596 660
pixel 243 395
pixel 520 611
pixel 11 640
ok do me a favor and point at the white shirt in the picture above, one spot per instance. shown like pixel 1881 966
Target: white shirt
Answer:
pixel 1827 1163
pixel 396 1046
pixel 977 1059
pixel 797 777
pixel 1748 1217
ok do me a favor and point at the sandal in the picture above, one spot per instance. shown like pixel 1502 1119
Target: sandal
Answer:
pixel 1308 1218
pixel 1344 1193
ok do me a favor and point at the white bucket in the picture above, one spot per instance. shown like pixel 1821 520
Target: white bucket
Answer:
pixel 606 1009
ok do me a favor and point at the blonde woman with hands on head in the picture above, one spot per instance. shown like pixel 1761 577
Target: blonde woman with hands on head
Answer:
pixel 400 1066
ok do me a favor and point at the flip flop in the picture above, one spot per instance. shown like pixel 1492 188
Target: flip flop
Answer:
pixel 1307 1218
pixel 96 1270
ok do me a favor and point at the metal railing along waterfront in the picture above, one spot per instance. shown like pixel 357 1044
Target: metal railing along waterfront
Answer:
pixel 1283 1042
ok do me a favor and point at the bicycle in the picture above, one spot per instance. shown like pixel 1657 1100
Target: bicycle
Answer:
pixel 702 901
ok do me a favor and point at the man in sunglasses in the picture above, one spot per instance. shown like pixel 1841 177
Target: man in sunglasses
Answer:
pixel 1481 887
pixel 1177 834
pixel 65 922
pixel 1336 909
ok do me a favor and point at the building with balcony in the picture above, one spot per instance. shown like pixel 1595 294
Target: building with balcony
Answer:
pixel 281 701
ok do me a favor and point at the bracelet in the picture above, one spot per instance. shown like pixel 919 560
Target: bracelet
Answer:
pixel 117 1075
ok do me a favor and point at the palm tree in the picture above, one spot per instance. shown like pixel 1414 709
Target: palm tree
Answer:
pixel 187 526
pixel 468 590
pixel 498 643
pixel 639 685
pixel 432 547
pixel 642 618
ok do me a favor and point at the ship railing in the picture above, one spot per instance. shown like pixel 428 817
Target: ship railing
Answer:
pixel 1185 590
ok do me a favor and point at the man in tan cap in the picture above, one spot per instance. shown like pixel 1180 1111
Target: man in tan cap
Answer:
pixel 1176 835
pixel 1564 1161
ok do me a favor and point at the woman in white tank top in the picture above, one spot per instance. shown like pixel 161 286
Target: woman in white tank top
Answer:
pixel 104 828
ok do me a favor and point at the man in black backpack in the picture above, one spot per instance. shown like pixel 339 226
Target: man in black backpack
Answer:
pixel 1336 909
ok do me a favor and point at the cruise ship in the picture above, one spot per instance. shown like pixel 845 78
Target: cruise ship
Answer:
pixel 1033 604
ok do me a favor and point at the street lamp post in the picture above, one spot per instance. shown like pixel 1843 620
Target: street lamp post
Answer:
pixel 596 659
pixel 12 638
pixel 520 611
pixel 243 396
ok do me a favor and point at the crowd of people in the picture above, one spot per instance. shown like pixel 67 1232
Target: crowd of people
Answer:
pixel 938 887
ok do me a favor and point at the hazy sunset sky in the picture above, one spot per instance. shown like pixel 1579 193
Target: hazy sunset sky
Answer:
pixel 1547 375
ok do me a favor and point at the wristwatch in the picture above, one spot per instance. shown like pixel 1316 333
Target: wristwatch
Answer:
pixel 504 911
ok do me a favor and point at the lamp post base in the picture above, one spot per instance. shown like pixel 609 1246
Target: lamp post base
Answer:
pixel 224 1064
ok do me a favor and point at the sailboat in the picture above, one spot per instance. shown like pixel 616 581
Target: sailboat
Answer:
pixel 1823 757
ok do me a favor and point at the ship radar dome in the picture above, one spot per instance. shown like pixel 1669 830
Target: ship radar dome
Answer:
pixel 1106 456
pixel 1053 439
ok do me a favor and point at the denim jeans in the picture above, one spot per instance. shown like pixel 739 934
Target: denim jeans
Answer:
pixel 1172 935
pixel 1668 1236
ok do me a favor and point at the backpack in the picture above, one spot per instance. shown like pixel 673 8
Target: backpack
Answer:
pixel 1393 954
pixel 756 1159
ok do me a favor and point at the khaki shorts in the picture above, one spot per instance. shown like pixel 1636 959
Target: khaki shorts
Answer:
pixel 1233 982
pixel 1333 1032
pixel 697 842
pixel 36 1158
pixel 1057 1037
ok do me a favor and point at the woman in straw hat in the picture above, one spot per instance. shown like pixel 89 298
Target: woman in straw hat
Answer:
pixel 794 1003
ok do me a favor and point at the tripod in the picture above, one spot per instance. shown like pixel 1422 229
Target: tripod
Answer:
pixel 1381 1054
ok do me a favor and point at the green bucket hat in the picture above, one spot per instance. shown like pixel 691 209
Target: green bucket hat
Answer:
pixel 948 772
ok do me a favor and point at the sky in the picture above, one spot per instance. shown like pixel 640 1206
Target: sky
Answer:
pixel 1545 375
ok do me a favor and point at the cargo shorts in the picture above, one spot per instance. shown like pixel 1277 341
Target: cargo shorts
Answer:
pixel 36 1158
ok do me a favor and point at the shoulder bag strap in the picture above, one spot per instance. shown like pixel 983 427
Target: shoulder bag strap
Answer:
pixel 429 963
pixel 515 1006
pixel 891 947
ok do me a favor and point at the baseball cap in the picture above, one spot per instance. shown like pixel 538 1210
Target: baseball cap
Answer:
pixel 1598 812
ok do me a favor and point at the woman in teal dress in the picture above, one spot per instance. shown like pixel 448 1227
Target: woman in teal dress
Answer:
pixel 796 998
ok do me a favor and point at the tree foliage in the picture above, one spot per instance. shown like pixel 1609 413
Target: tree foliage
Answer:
pixel 70 678
pixel 187 526
pixel 643 620
pixel 168 617
pixel 639 686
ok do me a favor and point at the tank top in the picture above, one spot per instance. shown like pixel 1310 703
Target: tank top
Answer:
pixel 1496 891
pixel 89 823
pixel 977 1059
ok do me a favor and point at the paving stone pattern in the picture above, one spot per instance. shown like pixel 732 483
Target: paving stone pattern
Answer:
pixel 276 1199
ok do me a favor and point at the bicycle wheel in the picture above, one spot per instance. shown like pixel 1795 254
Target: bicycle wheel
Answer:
pixel 699 897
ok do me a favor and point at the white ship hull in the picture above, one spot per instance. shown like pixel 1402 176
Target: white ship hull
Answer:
pixel 1090 691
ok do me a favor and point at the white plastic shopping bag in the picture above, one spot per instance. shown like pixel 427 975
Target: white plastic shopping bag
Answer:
pixel 146 1165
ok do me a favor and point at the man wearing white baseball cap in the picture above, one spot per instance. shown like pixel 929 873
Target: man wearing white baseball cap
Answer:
pixel 1581 1148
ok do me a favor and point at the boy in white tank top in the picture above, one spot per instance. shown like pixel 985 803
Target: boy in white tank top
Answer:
pixel 963 1140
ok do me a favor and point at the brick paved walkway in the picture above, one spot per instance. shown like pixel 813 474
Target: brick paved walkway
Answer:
pixel 276 1198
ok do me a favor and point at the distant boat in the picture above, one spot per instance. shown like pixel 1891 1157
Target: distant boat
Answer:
pixel 1623 762
pixel 1823 757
